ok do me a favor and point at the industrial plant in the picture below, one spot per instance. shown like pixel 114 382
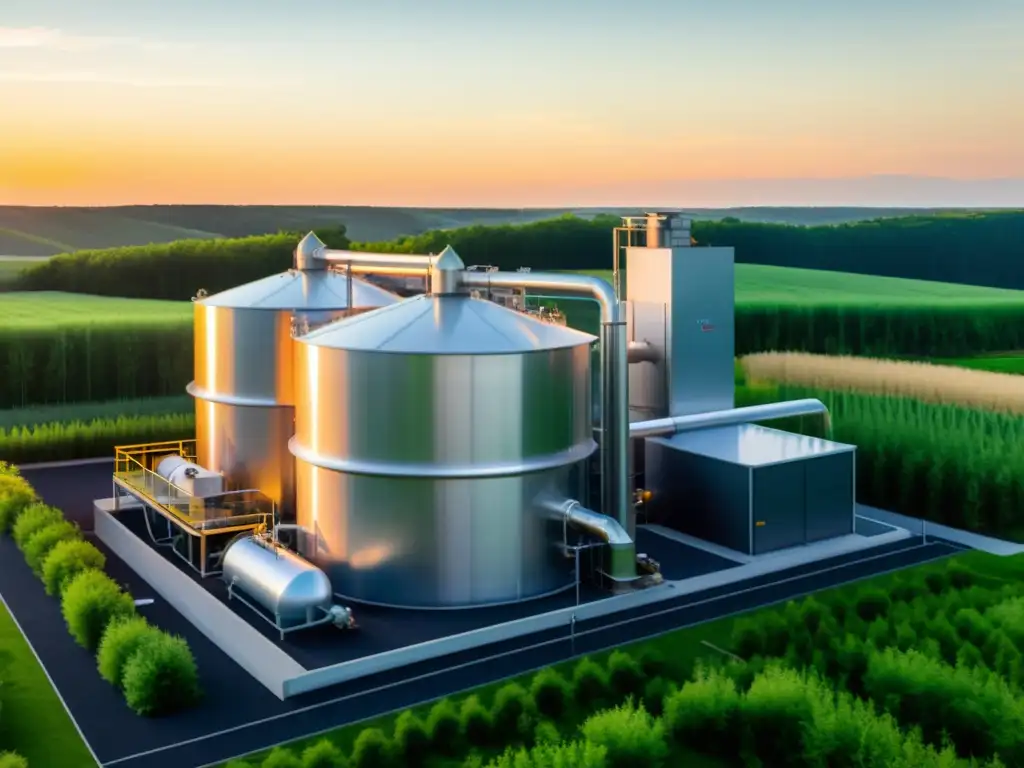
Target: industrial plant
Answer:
pixel 461 458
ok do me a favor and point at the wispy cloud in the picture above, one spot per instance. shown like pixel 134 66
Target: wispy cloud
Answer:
pixel 57 39
pixel 100 78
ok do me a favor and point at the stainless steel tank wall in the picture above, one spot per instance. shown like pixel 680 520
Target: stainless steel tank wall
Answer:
pixel 244 390
pixel 431 542
pixel 417 473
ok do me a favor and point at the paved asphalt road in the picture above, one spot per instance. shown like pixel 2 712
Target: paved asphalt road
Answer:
pixel 73 487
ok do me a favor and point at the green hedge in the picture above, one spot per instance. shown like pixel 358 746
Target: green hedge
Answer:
pixel 77 440
pixel 155 671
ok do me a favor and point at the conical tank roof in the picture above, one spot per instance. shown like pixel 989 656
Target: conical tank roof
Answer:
pixel 446 325
pixel 298 289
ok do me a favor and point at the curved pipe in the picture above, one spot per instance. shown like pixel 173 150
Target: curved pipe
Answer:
pixel 642 352
pixel 603 527
pixel 615 495
pixel 675 424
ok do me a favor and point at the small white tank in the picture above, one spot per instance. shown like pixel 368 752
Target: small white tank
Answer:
pixel 189 477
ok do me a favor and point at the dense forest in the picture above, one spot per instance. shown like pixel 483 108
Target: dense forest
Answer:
pixel 970 248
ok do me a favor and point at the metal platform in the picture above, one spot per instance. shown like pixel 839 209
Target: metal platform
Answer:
pixel 187 520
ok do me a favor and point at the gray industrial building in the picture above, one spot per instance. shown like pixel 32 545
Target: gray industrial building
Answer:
pixel 750 488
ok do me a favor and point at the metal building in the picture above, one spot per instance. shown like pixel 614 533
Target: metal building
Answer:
pixel 243 384
pixel 425 434
pixel 750 488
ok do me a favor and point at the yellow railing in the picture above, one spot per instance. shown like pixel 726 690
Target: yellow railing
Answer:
pixel 135 469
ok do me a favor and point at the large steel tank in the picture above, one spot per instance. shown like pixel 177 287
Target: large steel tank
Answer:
pixel 243 383
pixel 425 432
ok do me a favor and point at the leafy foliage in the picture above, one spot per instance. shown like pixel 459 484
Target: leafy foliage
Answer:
pixel 91 601
pixel 121 639
pixel 66 560
pixel 42 542
pixel 15 496
pixel 160 676
pixel 33 519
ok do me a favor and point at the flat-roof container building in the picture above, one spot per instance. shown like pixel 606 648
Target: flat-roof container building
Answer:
pixel 750 488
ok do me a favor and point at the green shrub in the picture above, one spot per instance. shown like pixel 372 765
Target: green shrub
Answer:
pixel 775 712
pixel 66 560
pixel 655 692
pixel 511 704
pixel 546 732
pixel 872 604
pixel 551 693
pixel 631 736
pixel 38 547
pixel 90 602
pixel 412 741
pixel 476 725
pixel 704 713
pixel 121 639
pixel 281 757
pixel 577 754
pixel 15 495
pixel 12 760
pixel 625 676
pixel 239 764
pixel 372 749
pixel 651 662
pixel 160 677
pixel 590 683
pixel 323 754
pixel 33 519
pixel 443 726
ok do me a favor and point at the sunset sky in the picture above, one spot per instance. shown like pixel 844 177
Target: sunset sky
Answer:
pixel 495 102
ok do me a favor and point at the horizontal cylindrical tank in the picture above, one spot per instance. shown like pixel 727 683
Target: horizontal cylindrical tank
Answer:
pixel 244 372
pixel 425 432
pixel 286 585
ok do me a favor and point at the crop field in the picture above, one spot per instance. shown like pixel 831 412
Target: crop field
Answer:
pixel 943 384
pixel 45 310
pixel 786 309
pixel 918 669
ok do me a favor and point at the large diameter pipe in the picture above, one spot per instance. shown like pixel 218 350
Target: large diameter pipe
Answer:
pixel 364 263
pixel 614 372
pixel 767 412
pixel 603 527
pixel 642 352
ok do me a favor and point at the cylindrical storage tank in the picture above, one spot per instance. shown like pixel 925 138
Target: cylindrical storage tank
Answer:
pixel 244 375
pixel 277 579
pixel 425 432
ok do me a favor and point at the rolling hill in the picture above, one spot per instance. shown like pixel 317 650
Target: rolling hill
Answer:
pixel 28 231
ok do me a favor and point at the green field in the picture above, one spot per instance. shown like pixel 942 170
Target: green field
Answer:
pixel 45 309
pixel 764 286
pixel 32 721
pixel 1011 362
pixel 65 413
pixel 10 266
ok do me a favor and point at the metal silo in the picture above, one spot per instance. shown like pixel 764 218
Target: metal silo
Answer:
pixel 244 367
pixel 425 433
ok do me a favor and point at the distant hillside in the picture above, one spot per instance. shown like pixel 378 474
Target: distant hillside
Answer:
pixel 28 231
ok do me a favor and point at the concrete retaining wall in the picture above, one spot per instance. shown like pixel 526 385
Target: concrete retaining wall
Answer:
pixel 255 653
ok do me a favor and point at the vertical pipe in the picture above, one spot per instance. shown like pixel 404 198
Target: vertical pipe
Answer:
pixel 615 424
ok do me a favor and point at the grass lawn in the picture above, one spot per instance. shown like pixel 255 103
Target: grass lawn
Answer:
pixel 33 722
pixel 31 310
pixel 1011 362
pixel 682 650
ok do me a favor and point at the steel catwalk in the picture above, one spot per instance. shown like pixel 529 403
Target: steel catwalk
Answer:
pixel 426 433
pixel 244 372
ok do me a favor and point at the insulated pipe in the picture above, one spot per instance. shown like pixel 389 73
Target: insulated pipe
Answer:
pixel 642 352
pixel 623 549
pixel 675 424
pixel 615 500
pixel 312 254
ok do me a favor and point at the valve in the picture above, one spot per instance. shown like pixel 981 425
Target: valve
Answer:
pixel 642 496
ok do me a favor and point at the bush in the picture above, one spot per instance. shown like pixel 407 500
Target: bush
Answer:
pixel 775 712
pixel 12 760
pixel 443 726
pixel 160 677
pixel 590 683
pixel 372 749
pixel 546 732
pixel 631 736
pixel 15 496
pixel 412 741
pixel 68 559
pixel 42 543
pixel 281 757
pixel 551 693
pixel 475 722
pixel 625 675
pixel 655 693
pixel 704 713
pixel 511 706
pixel 90 602
pixel 33 519
pixel 121 639
pixel 323 754
pixel 872 604
pixel 577 754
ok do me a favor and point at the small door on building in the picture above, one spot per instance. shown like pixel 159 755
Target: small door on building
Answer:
pixel 829 490
pixel 779 514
